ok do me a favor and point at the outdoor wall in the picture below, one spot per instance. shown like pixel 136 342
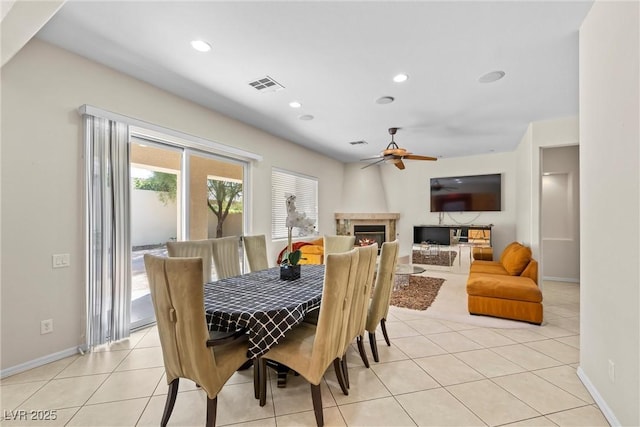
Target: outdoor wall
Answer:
pixel 610 208
pixel 152 222
pixel 42 134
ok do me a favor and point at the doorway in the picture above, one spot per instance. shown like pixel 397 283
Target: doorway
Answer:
pixel 560 214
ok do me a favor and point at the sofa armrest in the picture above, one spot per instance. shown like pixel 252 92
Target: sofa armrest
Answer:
pixel 531 271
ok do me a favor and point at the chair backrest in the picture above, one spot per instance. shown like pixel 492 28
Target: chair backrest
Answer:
pixel 338 244
pixel 256 249
pixel 178 301
pixel 339 278
pixel 226 258
pixel 362 289
pixel 194 249
pixel 379 306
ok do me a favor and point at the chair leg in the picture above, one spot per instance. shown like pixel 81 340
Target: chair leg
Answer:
pixel 212 409
pixel 316 396
pixel 171 401
pixel 363 354
pixel 345 369
pixel 384 331
pixel 337 366
pixel 256 379
pixel 262 375
pixel 374 346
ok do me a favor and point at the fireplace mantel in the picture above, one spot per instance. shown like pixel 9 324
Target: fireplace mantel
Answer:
pixel 346 221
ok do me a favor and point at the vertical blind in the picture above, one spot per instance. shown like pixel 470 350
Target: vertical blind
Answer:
pixel 305 189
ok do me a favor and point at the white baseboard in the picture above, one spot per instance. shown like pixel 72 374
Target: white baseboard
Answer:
pixel 606 411
pixel 561 279
pixel 38 362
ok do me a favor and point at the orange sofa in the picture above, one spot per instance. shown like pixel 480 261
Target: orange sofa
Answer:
pixel 507 288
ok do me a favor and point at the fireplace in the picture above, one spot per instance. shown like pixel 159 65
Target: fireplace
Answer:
pixel 368 234
pixel 380 227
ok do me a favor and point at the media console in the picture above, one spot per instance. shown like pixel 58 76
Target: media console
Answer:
pixel 442 234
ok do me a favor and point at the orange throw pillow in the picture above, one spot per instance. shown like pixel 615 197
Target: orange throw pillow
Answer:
pixel 517 260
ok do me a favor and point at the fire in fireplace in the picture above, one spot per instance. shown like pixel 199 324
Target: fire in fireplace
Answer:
pixel 368 234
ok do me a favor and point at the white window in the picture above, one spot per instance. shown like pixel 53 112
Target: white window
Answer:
pixel 305 189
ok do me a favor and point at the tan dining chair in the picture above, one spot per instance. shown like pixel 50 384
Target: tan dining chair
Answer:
pixel 358 313
pixel 196 249
pixel 226 258
pixel 337 244
pixel 256 249
pixel 178 301
pixel 379 306
pixel 310 349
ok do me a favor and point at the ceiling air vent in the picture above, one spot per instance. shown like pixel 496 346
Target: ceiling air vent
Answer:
pixel 266 84
pixel 361 142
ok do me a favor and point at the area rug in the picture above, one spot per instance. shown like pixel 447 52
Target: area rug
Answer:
pixel 445 258
pixel 418 294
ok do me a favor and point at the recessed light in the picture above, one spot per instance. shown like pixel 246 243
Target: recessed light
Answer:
pixel 385 100
pixel 491 76
pixel 306 117
pixel 295 104
pixel 201 45
pixel 400 78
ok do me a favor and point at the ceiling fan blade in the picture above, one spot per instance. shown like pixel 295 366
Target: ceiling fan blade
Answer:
pixel 372 158
pixel 399 164
pixel 416 157
pixel 373 163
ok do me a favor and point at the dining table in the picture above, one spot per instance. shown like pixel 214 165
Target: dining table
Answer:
pixel 263 304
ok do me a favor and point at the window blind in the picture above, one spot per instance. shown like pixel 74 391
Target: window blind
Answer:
pixel 305 189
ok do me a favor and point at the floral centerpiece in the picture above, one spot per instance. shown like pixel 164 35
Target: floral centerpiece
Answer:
pixel 289 267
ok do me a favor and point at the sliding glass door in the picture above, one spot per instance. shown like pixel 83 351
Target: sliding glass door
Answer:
pixel 178 193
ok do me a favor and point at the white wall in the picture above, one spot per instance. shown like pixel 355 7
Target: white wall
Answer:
pixel 610 207
pixel 42 184
pixel 407 192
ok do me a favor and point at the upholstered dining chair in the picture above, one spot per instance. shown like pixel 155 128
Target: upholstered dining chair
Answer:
pixel 310 349
pixel 358 314
pixel 178 301
pixel 379 306
pixel 337 244
pixel 226 258
pixel 195 249
pixel 256 249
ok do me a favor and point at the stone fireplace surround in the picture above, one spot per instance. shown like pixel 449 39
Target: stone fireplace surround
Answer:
pixel 345 222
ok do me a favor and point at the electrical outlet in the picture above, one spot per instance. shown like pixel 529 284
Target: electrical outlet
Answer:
pixel 612 371
pixel 46 326
pixel 60 260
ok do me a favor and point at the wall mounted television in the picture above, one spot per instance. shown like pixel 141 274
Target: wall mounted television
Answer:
pixel 472 193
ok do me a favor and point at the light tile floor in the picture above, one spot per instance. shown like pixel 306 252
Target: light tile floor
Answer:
pixel 436 373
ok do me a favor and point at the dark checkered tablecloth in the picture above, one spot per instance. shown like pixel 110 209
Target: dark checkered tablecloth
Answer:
pixel 267 306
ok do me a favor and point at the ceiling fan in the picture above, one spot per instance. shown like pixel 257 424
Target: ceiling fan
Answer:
pixel 395 154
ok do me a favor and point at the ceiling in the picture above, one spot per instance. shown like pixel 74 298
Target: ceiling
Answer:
pixel 338 58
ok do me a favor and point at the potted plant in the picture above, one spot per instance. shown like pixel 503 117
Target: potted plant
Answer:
pixel 289 267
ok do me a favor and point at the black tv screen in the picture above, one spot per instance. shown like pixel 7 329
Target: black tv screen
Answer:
pixel 473 193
